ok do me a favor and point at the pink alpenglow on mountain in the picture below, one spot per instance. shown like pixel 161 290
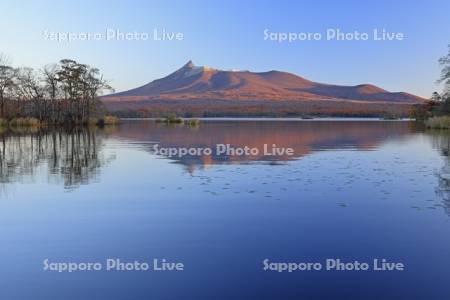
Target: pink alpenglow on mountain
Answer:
pixel 196 82
pixel 191 82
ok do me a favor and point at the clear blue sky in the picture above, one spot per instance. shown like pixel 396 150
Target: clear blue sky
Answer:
pixel 229 35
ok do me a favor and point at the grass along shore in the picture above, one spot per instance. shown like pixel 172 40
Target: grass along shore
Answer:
pixel 442 122
pixel 34 122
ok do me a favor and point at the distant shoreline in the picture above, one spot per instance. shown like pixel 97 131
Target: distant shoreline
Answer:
pixel 256 108
pixel 281 119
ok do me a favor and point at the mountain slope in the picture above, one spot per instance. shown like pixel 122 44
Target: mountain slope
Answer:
pixel 203 83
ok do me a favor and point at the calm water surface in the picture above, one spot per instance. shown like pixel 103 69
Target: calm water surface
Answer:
pixel 352 190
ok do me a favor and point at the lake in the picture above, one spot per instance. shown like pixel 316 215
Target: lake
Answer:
pixel 350 190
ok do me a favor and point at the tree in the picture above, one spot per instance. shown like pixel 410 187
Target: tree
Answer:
pixel 94 85
pixel 81 86
pixel 31 90
pixel 436 97
pixel 7 74
pixel 69 75
pixel 445 79
pixel 52 92
pixel 66 92
pixel 439 104
pixel 445 73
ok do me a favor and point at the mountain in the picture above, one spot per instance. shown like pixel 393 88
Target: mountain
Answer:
pixel 197 82
pixel 191 84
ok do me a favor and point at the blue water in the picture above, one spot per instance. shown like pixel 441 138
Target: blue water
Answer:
pixel 353 190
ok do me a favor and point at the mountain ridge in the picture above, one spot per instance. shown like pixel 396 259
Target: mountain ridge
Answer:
pixel 200 82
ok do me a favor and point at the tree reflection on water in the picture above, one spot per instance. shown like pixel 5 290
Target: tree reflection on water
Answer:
pixel 69 157
pixel 441 140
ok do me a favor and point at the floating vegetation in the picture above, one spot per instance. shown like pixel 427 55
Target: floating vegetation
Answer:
pixel 171 119
pixel 192 122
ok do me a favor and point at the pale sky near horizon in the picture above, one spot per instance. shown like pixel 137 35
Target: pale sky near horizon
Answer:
pixel 230 35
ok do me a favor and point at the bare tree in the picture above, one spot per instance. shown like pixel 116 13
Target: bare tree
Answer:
pixel 445 73
pixel 81 86
pixel 32 91
pixel 7 74
pixel 66 92
pixel 52 92
pixel 94 85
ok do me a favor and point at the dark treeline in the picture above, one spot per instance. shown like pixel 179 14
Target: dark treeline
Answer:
pixel 62 93
pixel 255 108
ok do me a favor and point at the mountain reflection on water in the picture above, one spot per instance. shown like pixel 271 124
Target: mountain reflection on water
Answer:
pixel 76 157
pixel 353 190
pixel 303 137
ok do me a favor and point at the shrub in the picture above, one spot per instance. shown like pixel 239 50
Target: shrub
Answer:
pixel 108 120
pixel 111 120
pixel 92 121
pixel 192 122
